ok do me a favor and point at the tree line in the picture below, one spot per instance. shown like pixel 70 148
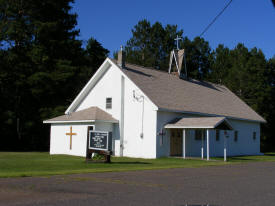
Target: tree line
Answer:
pixel 43 66
pixel 244 71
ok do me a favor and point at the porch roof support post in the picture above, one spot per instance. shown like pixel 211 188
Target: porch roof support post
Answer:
pixel 202 136
pixel 224 150
pixel 207 140
pixel 183 143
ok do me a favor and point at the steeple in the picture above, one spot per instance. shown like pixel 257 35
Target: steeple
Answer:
pixel 177 55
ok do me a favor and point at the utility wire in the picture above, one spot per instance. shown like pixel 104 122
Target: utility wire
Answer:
pixel 212 22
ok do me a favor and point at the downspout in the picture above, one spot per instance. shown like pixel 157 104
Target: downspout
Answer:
pixel 142 120
pixel 122 116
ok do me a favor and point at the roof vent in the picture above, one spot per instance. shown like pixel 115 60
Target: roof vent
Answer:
pixel 121 58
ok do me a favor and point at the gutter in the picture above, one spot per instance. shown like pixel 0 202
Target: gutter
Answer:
pixel 210 115
pixel 78 121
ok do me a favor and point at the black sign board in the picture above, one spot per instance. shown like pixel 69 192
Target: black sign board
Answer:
pixel 99 140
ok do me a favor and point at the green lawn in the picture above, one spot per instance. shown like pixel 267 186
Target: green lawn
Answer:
pixel 22 164
pixel 240 159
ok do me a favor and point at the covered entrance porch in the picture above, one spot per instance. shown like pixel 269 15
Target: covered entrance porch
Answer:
pixel 180 142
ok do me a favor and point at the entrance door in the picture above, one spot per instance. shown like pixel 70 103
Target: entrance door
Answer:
pixel 89 128
pixel 176 142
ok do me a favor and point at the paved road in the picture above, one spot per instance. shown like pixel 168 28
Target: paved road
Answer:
pixel 231 185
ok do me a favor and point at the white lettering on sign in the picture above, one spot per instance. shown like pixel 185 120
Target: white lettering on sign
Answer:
pixel 98 140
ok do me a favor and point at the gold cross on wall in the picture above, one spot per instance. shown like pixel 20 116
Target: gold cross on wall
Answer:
pixel 71 134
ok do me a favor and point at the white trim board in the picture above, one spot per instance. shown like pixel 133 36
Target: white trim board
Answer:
pixel 77 121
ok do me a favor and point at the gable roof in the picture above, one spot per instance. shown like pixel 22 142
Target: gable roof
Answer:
pixel 90 114
pixel 86 89
pixel 200 122
pixel 171 93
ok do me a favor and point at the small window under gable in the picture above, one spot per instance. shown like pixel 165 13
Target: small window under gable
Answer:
pixel 108 103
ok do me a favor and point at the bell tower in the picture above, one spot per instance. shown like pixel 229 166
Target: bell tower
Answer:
pixel 177 56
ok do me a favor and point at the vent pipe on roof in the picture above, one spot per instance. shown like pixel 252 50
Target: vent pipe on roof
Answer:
pixel 121 58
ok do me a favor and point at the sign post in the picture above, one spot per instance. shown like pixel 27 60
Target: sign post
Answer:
pixel 99 142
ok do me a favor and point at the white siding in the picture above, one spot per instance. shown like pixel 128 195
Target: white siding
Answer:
pixel 245 145
pixel 102 126
pixel 109 85
pixel 60 142
pixel 134 145
pixel 148 146
pixel 163 150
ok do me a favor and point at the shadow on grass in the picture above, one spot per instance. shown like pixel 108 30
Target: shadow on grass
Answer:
pixel 251 158
pixel 240 159
pixel 273 154
pixel 129 163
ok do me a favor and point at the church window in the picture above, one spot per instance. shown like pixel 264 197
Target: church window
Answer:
pixel 199 133
pixel 236 136
pixel 217 135
pixel 108 103
pixel 254 135
pixel 161 140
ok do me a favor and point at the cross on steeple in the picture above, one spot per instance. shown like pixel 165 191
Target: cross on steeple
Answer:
pixel 177 40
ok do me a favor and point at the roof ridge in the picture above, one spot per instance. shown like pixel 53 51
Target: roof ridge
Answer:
pixel 145 67
pixel 152 68
pixel 197 96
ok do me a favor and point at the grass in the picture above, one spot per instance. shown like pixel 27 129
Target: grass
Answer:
pixel 267 157
pixel 23 164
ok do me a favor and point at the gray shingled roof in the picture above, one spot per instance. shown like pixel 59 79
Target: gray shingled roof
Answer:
pixel 169 92
pixel 200 122
pixel 89 114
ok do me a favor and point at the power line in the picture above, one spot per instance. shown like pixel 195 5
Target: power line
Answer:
pixel 212 22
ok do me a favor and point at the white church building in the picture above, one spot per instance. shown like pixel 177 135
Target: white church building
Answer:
pixel 154 114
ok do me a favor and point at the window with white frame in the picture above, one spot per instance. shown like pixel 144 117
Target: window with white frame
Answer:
pixel 108 103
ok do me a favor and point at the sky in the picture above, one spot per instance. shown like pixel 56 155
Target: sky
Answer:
pixel 251 22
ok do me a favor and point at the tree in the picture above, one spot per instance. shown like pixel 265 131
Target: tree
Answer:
pixel 95 53
pixel 150 45
pixel 42 68
pixel 220 64
pixel 268 140
pixel 198 56
pixel 247 74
